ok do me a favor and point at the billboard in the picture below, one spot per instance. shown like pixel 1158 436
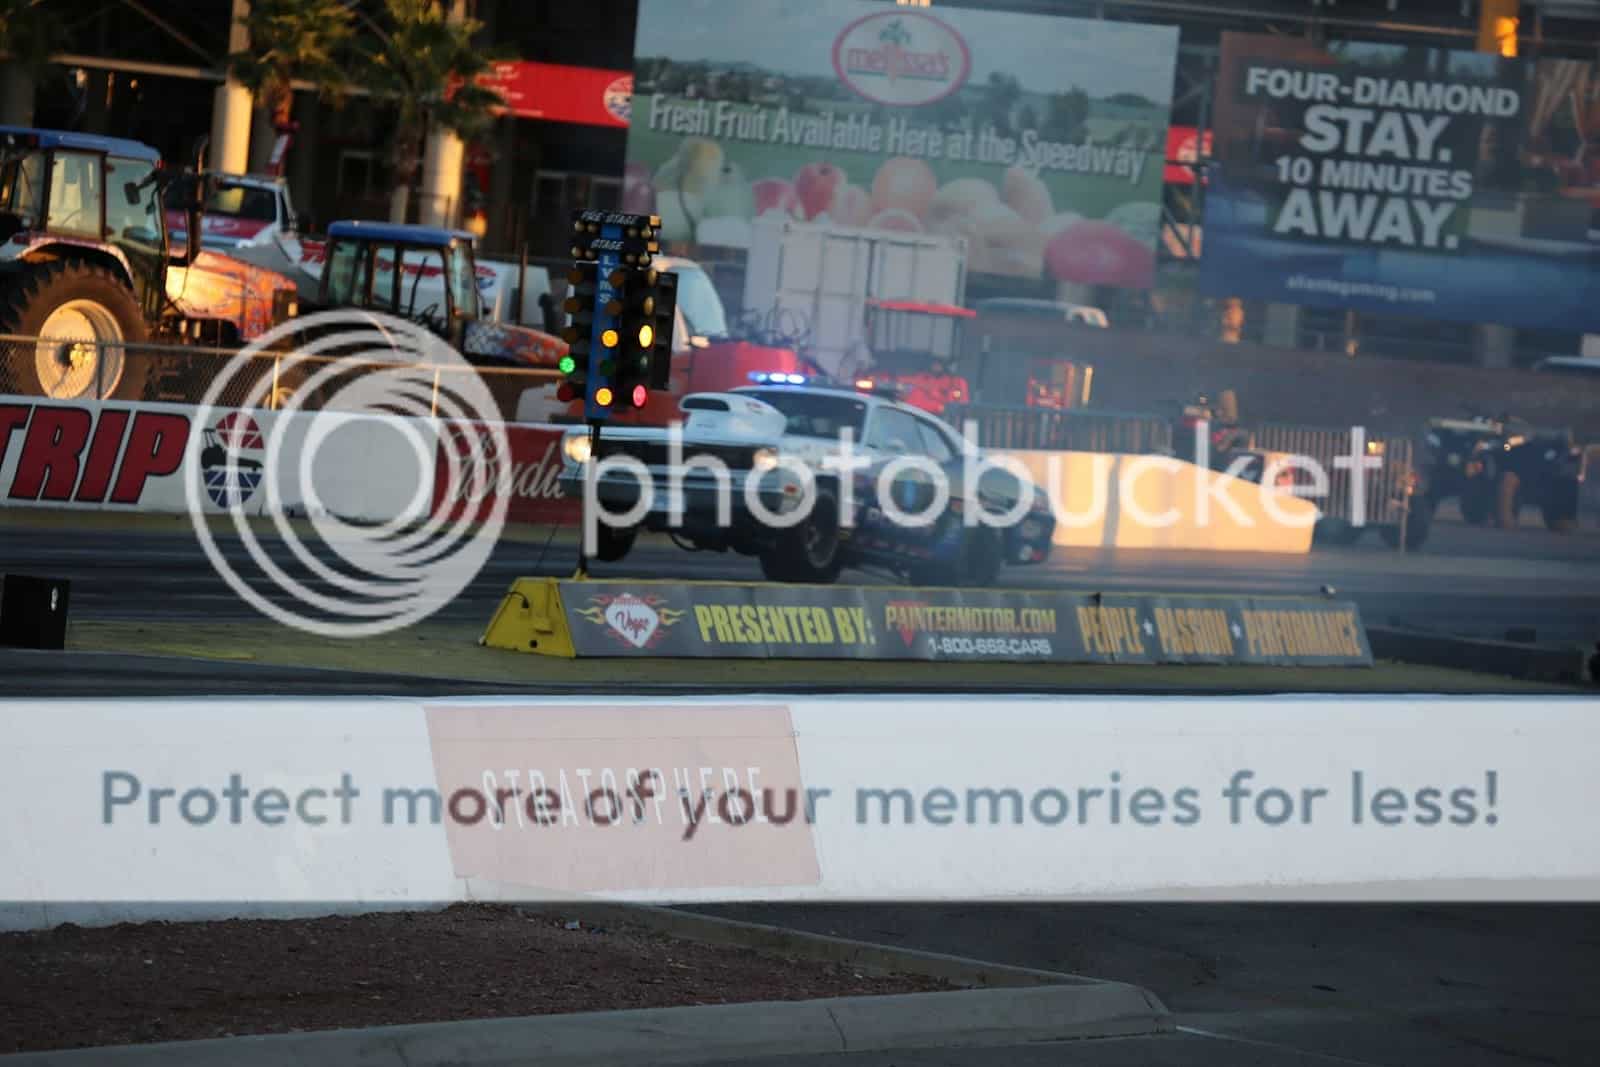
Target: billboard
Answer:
pixel 585 96
pixel 1040 140
pixel 1409 180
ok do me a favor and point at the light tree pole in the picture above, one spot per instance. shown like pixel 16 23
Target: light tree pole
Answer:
pixel 443 159
pixel 233 104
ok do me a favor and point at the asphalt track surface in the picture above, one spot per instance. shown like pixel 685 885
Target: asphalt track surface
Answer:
pixel 1466 580
pixel 1272 985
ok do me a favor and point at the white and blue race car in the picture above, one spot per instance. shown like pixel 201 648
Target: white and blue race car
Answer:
pixel 818 477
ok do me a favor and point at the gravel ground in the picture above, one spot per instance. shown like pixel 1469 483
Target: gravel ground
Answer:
pixel 73 987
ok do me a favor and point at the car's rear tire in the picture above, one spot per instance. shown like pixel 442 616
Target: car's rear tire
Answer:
pixel 1336 532
pixel 612 544
pixel 976 566
pixel 1418 525
pixel 1560 514
pixel 981 558
pixel 808 552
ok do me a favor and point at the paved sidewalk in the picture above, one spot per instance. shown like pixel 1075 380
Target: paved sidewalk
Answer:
pixel 733 1033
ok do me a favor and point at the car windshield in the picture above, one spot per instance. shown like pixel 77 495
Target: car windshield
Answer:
pixel 698 300
pixel 816 414
pixel 246 202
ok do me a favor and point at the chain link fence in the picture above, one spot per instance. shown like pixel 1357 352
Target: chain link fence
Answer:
pixel 68 369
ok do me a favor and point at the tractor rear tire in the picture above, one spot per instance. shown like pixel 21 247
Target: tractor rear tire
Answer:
pixel 82 301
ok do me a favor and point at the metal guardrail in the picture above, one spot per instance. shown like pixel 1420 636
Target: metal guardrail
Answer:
pixel 183 374
pixel 1049 430
pixel 1388 486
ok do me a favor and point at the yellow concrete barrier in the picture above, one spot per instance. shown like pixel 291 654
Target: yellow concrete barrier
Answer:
pixel 1107 500
pixel 531 618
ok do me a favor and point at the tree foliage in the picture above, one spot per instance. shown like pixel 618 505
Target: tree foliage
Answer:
pixel 30 33
pixel 427 66
pixel 294 40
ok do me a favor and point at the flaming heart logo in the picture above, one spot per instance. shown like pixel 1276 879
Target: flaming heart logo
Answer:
pixel 635 620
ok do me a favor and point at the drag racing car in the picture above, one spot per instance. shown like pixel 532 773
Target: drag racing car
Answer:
pixel 811 478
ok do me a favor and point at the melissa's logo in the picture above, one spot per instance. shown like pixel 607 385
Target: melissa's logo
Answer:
pixel 901 58
pixel 618 98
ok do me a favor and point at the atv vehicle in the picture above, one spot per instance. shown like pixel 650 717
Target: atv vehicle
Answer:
pixel 1533 468
pixel 1453 457
pixel 86 268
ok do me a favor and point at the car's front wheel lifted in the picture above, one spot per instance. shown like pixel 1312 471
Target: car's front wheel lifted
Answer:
pixel 808 551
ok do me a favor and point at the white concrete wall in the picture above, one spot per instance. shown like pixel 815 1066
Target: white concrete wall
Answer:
pixel 64 846
pixel 1107 500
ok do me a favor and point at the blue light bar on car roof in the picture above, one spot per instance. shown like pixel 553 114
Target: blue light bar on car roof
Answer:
pixel 778 378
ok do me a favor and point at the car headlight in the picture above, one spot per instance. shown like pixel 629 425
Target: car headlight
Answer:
pixel 577 448
pixel 764 459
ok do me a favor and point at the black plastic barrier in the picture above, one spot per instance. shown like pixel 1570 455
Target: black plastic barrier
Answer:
pixel 716 620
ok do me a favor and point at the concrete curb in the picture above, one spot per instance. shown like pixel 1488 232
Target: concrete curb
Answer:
pixel 820 948
pixel 661 1036
pixel 1505 658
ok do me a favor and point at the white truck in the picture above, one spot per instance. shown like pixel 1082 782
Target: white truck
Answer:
pixel 820 280
pixel 242 211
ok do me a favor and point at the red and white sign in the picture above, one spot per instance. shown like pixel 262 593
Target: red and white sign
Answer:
pixel 530 474
pixel 586 96
pixel 111 456
pixel 901 58
pixel 91 455
pixel 1183 146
